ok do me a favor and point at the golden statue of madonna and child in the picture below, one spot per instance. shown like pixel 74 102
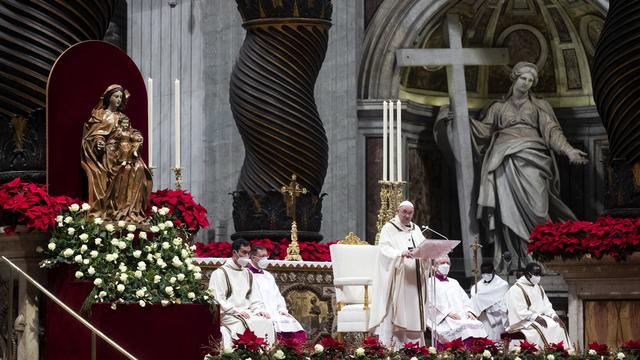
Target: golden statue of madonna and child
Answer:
pixel 119 181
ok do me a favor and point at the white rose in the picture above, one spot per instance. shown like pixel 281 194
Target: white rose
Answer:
pixel 190 267
pixel 414 358
pixel 97 282
pixel 79 274
pixel 122 245
pixel 98 241
pixel 138 274
pixel 166 245
pixel 359 351
pixel 74 207
pixel 140 293
pixel 78 258
pixel 51 246
pixel 93 254
pixel 197 269
pixel 161 263
pixel 184 253
pixel 102 294
pixel 168 290
pixel 156 279
pixel 188 261
pixel 131 228
pixel 154 209
pixel 122 267
pixel 115 241
pixel 124 277
pixel 67 252
pixel 91 270
pixel 137 253
pixel 164 211
pixel 180 277
pixel 161 226
pixel 620 356
pixel 192 248
pixel 122 224
pixel 154 229
pixel 130 236
pixel 517 358
pixel 191 295
pixel 142 303
pixel 164 302
pixel 516 349
pixel 228 350
pixel 172 280
pixel 177 241
pixel 550 357
pixel 59 218
pixel 168 223
pixel 176 262
pixel 98 221
pixel 197 276
pixel 84 237
pixel 432 350
pixel 142 235
pixel 110 227
pixel 142 266
pixel 279 355
pixel 318 348
pixel 86 261
pixel 85 207
pixel 71 231
pixel 120 287
pixel 593 352
pixel 68 220
pixel 486 354
pixel 149 257
pixel 83 248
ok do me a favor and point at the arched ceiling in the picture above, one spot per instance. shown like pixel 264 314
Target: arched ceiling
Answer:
pixel 558 35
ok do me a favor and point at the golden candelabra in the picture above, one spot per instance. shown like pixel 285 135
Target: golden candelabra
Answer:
pixel 391 195
pixel 293 250
pixel 178 174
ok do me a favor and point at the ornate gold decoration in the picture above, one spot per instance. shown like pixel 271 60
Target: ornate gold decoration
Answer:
pixel 293 251
pixel 19 124
pixel 391 194
pixel 352 239
pixel 178 175
pixel 291 192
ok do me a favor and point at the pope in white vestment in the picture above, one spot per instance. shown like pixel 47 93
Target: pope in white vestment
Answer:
pixel 451 312
pixel 531 312
pixel 488 301
pixel 285 324
pixel 241 306
pixel 399 296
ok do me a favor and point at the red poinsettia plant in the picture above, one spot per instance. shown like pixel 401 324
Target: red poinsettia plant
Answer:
pixel 528 348
pixel 185 212
pixel 617 237
pixel 413 349
pixel 29 204
pixel 248 345
pixel 557 349
pixel 598 349
pixel 479 345
pixel 277 250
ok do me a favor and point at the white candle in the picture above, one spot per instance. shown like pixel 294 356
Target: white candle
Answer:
pixel 399 140
pixel 392 173
pixel 150 120
pixel 177 122
pixel 385 159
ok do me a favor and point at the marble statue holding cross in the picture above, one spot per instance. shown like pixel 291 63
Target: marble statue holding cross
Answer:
pixel 516 142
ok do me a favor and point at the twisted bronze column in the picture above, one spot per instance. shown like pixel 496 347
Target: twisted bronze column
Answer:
pixel 616 75
pixel 272 99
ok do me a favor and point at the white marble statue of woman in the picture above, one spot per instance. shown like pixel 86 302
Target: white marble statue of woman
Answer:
pixel 518 185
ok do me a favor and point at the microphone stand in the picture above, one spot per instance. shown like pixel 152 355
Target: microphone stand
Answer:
pixel 432 278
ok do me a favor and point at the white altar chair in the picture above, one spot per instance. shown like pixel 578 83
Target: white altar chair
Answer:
pixel 353 269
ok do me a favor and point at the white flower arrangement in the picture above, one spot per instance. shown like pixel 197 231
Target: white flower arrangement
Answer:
pixel 124 264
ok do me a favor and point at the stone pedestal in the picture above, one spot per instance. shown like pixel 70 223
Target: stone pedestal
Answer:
pixel 19 301
pixel 598 280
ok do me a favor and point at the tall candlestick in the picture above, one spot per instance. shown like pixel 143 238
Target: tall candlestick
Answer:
pixel 177 122
pixel 399 139
pixel 392 172
pixel 385 155
pixel 150 121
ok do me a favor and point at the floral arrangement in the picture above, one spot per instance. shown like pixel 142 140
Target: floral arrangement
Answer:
pixel 249 346
pixel 617 237
pixel 184 211
pixel 125 264
pixel 310 251
pixel 29 204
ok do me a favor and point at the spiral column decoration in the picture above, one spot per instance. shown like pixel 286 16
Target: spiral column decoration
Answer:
pixel 272 101
pixel 32 36
pixel 616 75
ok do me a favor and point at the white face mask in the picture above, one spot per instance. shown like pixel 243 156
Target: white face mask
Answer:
pixel 263 263
pixel 535 280
pixel 444 269
pixel 487 277
pixel 243 261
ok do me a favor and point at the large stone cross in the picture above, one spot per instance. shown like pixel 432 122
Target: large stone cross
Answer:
pixel 455 58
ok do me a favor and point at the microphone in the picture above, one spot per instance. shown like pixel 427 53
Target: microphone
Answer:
pixel 426 227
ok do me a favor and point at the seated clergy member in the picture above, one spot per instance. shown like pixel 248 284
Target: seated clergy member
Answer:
pixel 488 301
pixel 286 326
pixel 451 312
pixel 241 306
pixel 531 313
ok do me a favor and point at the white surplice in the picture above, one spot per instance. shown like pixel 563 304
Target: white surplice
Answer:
pixel 274 303
pixel 450 297
pixel 399 296
pixel 489 303
pixel 233 289
pixel 525 303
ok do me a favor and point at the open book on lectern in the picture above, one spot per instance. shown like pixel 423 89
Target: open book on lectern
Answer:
pixel 433 249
